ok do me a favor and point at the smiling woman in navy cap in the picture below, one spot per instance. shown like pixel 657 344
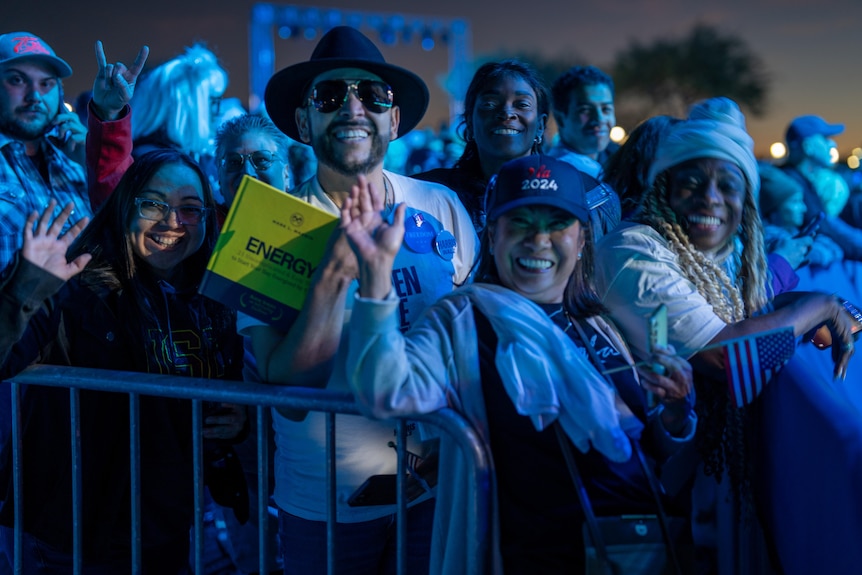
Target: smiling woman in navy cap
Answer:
pixel 513 354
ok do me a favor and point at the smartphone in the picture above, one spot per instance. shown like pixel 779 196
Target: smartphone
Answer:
pixel 657 326
pixel 382 490
pixel 810 228
pixel 211 408
pixel 59 136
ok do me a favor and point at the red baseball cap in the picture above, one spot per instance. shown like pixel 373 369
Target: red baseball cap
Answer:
pixel 19 45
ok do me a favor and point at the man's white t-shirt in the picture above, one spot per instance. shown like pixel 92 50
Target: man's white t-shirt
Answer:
pixel 426 268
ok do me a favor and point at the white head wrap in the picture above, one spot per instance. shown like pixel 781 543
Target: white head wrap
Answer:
pixel 715 128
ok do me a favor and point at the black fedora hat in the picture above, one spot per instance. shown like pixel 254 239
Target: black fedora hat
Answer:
pixel 343 47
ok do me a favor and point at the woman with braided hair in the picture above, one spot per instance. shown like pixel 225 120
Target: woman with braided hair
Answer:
pixel 696 245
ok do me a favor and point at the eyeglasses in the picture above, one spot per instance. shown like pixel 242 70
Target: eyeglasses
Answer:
pixel 329 95
pixel 261 160
pixel 157 211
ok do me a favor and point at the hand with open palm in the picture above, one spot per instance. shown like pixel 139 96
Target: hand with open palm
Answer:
pixel 45 247
pixel 374 241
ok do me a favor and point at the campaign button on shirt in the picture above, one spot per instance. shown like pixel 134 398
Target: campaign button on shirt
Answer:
pixel 445 245
pixel 419 232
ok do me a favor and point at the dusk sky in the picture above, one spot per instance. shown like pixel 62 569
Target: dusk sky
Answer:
pixel 810 49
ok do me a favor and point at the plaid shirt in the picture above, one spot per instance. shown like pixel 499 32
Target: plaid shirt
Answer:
pixel 23 190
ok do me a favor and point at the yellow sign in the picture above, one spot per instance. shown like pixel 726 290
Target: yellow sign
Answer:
pixel 269 247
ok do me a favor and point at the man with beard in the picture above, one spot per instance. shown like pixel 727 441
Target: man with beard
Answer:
pixel 347 103
pixel 34 164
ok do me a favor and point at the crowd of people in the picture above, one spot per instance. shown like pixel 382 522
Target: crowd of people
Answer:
pixel 533 265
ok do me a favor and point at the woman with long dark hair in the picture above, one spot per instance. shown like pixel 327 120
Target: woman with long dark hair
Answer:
pixel 135 307
pixel 505 111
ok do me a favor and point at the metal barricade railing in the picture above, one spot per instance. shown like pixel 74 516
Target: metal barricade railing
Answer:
pixel 262 396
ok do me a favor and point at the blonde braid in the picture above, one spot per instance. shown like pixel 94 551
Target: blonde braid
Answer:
pixel 722 435
pixel 754 271
pixel 723 295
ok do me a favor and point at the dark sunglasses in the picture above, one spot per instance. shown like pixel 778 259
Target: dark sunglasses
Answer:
pixel 261 160
pixel 329 95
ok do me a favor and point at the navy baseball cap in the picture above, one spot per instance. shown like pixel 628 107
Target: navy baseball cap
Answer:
pixel 806 126
pixel 19 45
pixel 537 180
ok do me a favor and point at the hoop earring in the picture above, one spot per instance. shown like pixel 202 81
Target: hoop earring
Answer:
pixel 537 145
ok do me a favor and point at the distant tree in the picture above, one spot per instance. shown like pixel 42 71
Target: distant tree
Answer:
pixel 669 75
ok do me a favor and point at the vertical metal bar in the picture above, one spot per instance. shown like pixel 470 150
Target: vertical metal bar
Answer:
pixel 135 479
pixel 17 478
pixel 77 527
pixel 401 511
pixel 478 520
pixel 262 415
pixel 197 460
pixel 330 493
pixel 261 64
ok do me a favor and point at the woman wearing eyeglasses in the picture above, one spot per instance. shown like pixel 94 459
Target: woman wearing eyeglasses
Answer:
pixel 251 145
pixel 134 307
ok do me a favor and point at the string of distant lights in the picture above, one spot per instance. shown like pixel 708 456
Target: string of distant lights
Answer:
pixel 778 150
pixel 290 22
pixel 294 22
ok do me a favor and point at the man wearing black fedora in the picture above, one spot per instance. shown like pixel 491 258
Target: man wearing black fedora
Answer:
pixel 348 103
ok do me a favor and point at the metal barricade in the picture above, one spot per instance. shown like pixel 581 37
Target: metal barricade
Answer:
pixel 262 396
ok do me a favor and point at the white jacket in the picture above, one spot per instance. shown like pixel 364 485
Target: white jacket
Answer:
pixel 436 365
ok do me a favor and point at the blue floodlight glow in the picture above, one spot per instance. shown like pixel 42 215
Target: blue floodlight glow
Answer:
pixel 427 40
pixel 333 18
pixel 354 19
pixel 262 13
pixel 387 35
